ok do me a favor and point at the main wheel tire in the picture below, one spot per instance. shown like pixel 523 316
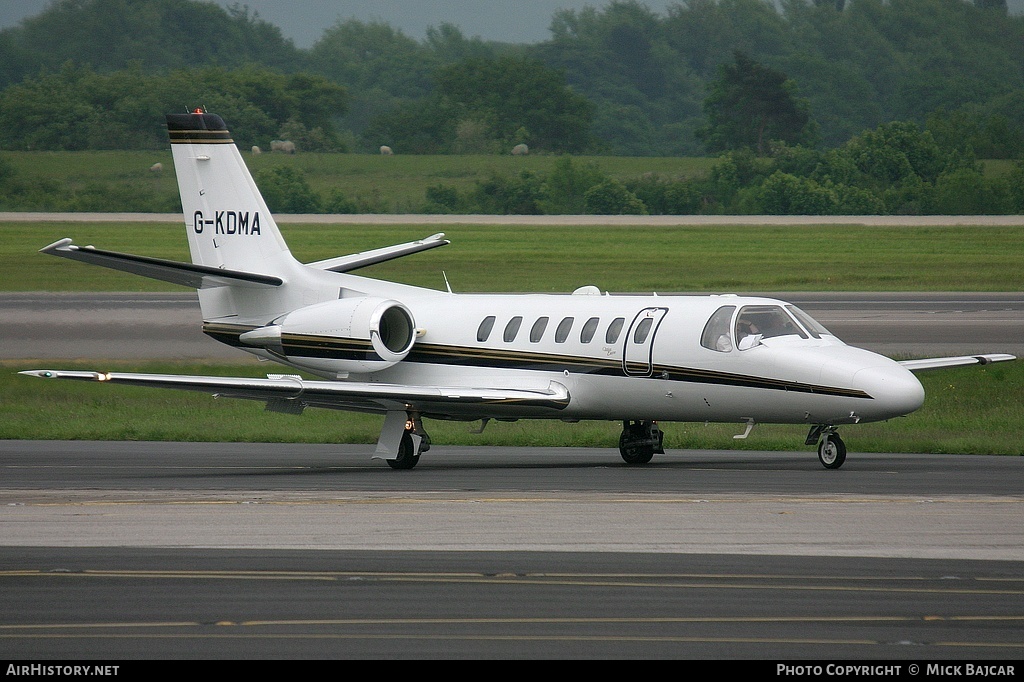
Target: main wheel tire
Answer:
pixel 832 451
pixel 634 452
pixel 407 458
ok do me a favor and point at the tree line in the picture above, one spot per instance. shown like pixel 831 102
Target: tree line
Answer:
pixel 866 106
pixel 620 79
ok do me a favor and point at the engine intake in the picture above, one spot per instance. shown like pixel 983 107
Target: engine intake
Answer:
pixel 392 331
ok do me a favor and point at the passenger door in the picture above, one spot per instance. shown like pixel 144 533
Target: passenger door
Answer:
pixel 638 345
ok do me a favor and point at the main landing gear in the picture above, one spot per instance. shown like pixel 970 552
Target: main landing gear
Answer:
pixel 831 448
pixel 408 454
pixel 640 441
pixel 411 442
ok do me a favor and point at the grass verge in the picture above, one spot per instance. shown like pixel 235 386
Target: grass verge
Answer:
pixel 558 259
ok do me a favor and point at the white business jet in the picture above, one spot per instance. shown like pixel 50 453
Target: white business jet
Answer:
pixel 407 353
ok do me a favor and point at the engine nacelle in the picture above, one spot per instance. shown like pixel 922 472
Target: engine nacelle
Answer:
pixel 358 334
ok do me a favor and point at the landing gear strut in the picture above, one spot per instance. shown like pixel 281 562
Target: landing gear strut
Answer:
pixel 640 441
pixel 413 442
pixel 831 448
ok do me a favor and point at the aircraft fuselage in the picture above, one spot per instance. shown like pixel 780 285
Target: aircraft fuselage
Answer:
pixel 618 357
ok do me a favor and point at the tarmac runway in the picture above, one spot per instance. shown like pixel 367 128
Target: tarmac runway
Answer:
pixel 122 552
pixel 291 496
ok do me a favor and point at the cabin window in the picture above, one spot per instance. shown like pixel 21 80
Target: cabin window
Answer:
pixel 716 332
pixel 562 332
pixel 512 328
pixel 537 331
pixel 642 330
pixel 756 322
pixel 614 329
pixel 587 333
pixel 485 328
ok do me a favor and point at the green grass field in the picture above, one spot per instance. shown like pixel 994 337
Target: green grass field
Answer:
pixel 560 259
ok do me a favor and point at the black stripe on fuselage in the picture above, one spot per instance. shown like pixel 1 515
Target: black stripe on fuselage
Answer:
pixel 227 333
pixel 489 357
pixel 328 347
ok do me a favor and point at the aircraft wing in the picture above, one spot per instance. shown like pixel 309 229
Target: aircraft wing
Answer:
pixel 958 361
pixel 186 274
pixel 364 258
pixel 290 393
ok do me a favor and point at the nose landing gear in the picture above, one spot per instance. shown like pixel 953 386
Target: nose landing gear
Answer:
pixel 832 451
pixel 831 448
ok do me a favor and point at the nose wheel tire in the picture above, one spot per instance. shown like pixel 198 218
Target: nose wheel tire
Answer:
pixel 831 451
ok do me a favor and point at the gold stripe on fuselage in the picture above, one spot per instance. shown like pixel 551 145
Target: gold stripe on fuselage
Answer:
pixel 465 356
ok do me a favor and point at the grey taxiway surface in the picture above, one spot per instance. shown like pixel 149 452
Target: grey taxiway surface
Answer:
pixel 115 551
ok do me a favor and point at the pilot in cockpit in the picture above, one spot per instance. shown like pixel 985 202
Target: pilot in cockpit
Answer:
pixel 746 334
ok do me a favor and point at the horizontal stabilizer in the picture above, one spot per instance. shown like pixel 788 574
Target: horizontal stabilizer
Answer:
pixel 958 361
pixel 365 258
pixel 373 397
pixel 186 274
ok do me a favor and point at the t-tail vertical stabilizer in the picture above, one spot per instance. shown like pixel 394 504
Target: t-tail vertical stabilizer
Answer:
pixel 228 223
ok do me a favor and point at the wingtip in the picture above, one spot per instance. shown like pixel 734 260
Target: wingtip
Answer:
pixel 994 357
pixel 66 374
pixel 59 245
pixel 436 239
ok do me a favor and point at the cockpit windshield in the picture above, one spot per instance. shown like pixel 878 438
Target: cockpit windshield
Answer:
pixel 756 322
pixel 728 329
pixel 810 324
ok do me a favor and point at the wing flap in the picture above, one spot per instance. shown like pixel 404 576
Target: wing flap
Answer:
pixel 186 274
pixel 329 394
pixel 957 361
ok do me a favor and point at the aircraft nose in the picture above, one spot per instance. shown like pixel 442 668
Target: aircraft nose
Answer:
pixel 896 391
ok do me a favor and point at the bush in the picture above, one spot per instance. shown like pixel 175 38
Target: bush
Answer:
pixel 786 194
pixel 612 198
pixel 965 191
pixel 337 202
pixel 517 195
pixel 286 190
pixel 441 199
pixel 1015 183
pixel 667 197
pixel 567 185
